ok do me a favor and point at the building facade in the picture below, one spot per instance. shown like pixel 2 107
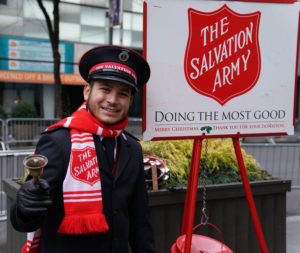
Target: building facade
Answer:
pixel 26 63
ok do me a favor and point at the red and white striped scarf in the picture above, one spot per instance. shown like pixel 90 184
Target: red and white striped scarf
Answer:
pixel 82 194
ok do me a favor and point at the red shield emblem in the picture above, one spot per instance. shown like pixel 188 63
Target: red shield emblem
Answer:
pixel 84 165
pixel 222 58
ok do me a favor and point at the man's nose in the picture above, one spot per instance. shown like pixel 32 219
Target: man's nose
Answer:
pixel 112 97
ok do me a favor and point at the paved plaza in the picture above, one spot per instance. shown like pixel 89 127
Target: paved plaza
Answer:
pixel 293 235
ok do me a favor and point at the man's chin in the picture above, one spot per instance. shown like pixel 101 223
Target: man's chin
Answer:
pixel 110 121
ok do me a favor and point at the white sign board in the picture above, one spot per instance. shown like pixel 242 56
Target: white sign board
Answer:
pixel 220 68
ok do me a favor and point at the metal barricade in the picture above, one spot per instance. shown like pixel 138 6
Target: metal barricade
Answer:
pixel 17 133
pixel 2 135
pixel 134 127
pixel 11 166
pixel 1 129
pixel 281 160
pixel 25 131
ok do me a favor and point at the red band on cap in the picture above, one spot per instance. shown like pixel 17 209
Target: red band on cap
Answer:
pixel 106 66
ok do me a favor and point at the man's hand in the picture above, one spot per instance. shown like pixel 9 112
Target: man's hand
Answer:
pixel 33 200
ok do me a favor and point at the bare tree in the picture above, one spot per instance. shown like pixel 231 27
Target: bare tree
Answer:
pixel 53 31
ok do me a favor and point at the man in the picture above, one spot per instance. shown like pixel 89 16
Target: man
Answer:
pixel 92 195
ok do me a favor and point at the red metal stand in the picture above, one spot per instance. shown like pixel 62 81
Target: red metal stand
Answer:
pixel 191 194
pixel 249 196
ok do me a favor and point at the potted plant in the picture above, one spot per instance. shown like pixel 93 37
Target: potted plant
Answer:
pixel 226 202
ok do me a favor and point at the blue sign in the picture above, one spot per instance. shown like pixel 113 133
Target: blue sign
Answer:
pixel 34 55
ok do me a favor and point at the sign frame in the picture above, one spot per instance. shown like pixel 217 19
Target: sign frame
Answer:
pixel 206 132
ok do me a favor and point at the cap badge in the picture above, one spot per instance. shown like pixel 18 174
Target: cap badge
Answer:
pixel 124 56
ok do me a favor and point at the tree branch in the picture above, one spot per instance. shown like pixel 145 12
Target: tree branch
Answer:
pixel 53 31
pixel 47 18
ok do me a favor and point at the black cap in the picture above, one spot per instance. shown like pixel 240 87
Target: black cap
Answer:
pixel 115 63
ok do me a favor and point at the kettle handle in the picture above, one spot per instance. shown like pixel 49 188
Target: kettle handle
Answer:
pixel 213 226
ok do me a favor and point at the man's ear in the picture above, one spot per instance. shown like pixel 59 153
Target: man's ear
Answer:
pixel 86 91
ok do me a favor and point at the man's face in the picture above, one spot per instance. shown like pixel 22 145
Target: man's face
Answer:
pixel 108 101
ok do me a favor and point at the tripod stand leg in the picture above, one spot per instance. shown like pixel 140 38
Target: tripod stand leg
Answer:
pixel 191 195
pixel 187 194
pixel 249 196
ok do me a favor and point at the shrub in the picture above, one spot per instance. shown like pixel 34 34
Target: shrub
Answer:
pixel 220 166
pixel 2 112
pixel 24 110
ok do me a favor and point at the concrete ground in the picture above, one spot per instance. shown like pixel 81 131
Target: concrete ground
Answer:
pixel 293 235
pixel 293 221
pixel 3 237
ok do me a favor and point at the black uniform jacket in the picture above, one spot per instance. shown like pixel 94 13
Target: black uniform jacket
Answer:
pixel 125 200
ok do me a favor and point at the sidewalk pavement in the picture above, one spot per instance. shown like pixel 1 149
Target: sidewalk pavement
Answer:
pixel 3 237
pixel 292 235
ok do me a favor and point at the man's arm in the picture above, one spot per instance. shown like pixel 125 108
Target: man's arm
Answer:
pixel 141 234
pixel 26 216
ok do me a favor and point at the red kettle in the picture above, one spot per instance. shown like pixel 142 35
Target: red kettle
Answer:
pixel 201 243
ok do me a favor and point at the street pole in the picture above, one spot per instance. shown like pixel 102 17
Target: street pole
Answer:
pixel 110 34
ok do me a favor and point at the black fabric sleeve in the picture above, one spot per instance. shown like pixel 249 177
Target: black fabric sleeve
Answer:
pixel 141 235
pixel 51 146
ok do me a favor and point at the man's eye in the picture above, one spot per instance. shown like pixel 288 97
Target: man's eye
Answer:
pixel 105 89
pixel 125 94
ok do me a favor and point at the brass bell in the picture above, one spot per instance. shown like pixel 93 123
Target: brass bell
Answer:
pixel 35 164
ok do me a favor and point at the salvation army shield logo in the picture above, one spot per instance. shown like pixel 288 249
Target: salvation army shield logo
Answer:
pixel 222 57
pixel 84 165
